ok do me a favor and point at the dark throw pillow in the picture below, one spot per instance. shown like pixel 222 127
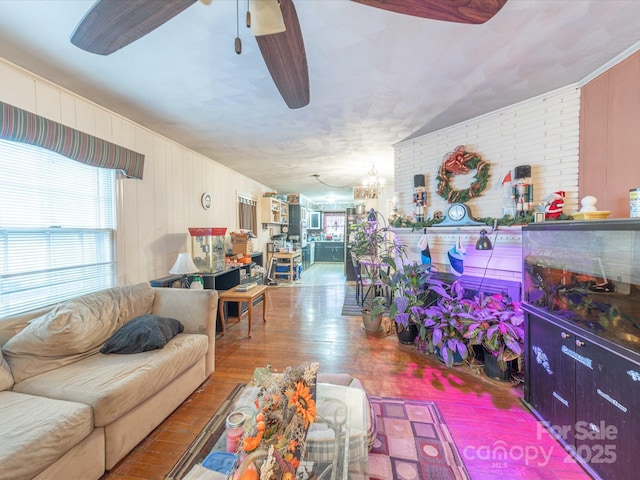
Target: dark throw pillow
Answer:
pixel 141 334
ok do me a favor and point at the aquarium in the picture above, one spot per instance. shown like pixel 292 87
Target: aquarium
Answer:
pixel 587 273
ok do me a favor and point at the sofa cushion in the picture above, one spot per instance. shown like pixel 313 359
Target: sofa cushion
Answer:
pixel 114 384
pixel 37 431
pixel 74 329
pixel 141 334
pixel 6 379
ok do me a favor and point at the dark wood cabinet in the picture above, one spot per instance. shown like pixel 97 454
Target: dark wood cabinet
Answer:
pixel 551 389
pixel 607 406
pixel 329 252
pixel 586 392
pixel 315 220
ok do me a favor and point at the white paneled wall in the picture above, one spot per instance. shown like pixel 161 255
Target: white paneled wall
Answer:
pixel 153 213
pixel 542 132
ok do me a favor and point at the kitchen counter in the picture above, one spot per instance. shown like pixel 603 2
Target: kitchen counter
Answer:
pixel 329 251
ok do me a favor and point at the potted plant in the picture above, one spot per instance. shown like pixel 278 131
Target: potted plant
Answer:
pixel 408 284
pixel 446 322
pixel 374 249
pixel 497 326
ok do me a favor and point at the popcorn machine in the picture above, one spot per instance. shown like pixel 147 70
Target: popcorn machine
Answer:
pixel 207 248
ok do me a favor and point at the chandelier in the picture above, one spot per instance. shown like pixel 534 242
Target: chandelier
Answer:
pixel 371 186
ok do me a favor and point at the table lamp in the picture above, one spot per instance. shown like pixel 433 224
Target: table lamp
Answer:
pixel 184 266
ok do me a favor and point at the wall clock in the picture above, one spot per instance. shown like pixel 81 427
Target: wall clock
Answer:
pixel 205 200
pixel 458 215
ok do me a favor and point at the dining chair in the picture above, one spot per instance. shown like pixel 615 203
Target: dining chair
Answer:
pixel 359 285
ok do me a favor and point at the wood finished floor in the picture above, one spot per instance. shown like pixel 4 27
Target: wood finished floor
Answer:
pixel 304 324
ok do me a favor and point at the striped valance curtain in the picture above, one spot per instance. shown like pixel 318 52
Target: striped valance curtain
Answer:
pixel 22 126
pixel 247 214
pixel 246 200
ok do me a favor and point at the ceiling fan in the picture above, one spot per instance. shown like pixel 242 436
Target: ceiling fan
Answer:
pixel 113 24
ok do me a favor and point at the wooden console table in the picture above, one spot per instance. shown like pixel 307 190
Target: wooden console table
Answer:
pixel 239 297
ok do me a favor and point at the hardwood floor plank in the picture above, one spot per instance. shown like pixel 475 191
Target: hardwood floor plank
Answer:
pixel 304 324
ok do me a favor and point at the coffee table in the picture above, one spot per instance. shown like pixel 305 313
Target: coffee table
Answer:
pixel 238 297
pixel 337 443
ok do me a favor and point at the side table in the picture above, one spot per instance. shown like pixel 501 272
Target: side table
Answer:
pixel 238 297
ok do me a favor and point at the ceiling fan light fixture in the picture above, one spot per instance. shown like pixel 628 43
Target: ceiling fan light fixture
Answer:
pixel 266 17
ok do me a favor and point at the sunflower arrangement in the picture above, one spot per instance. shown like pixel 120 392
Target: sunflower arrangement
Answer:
pixel 286 408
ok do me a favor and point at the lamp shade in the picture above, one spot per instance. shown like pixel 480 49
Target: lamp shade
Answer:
pixel 266 17
pixel 184 264
pixel 484 243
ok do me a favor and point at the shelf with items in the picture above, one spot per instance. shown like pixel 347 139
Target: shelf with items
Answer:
pixel 274 211
pixel 288 265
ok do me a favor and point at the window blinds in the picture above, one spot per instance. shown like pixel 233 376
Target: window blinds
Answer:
pixel 57 228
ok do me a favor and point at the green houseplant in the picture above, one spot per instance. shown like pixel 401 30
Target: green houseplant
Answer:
pixel 446 322
pixel 409 284
pixel 373 246
pixel 497 326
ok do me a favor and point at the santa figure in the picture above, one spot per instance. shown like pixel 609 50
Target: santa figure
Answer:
pixel 554 205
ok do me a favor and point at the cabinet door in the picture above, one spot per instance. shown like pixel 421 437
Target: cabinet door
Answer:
pixel 315 221
pixel 551 378
pixel 607 406
pixel 270 210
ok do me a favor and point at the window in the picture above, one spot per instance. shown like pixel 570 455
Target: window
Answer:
pixel 57 228
pixel 247 214
pixel 333 223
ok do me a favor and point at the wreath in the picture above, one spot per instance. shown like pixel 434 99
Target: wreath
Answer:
pixel 461 162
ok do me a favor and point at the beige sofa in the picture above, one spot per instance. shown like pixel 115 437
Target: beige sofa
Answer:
pixel 69 411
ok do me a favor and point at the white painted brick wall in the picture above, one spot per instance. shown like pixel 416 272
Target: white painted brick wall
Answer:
pixel 542 132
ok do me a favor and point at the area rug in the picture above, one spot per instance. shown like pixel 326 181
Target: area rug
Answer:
pixel 412 442
pixel 350 307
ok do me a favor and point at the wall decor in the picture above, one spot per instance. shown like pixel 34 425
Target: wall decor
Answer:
pixel 461 162
pixel 205 200
pixel 459 215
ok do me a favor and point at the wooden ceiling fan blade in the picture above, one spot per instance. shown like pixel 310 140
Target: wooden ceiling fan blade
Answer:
pixel 460 11
pixel 113 24
pixel 286 58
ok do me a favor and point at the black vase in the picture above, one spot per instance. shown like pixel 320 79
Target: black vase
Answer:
pixel 407 335
pixel 493 370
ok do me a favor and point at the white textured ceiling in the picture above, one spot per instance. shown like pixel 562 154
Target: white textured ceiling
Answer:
pixel 376 77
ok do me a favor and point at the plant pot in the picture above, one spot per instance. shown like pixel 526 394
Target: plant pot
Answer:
pixel 407 335
pixel 371 325
pixel 457 358
pixel 478 353
pixel 493 370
